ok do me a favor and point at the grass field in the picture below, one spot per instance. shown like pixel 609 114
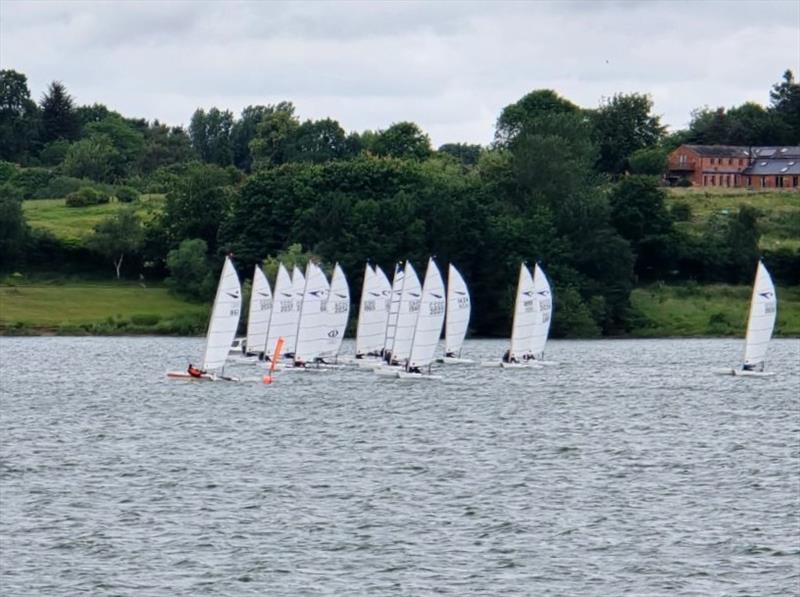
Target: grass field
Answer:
pixel 73 224
pixel 780 211
pixel 118 308
pixel 711 310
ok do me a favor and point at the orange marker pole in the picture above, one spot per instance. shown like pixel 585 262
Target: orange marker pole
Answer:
pixel 275 356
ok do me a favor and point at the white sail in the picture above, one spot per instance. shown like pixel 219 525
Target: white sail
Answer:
pixel 522 330
pixel 394 306
pixel 371 327
pixel 543 309
pixel 430 319
pixel 259 313
pixel 458 312
pixel 338 313
pixel 282 322
pixel 224 318
pixel 298 287
pixel 312 325
pixel 763 309
pixel 407 315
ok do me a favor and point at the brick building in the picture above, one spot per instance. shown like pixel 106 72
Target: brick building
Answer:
pixel 735 166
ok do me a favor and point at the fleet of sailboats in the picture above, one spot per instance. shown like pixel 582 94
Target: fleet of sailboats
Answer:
pixel 400 323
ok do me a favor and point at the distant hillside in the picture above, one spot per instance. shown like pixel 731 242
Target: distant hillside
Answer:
pixel 780 211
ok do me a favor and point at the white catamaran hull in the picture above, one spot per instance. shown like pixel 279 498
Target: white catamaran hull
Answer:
pixel 455 361
pixel 406 376
pixel 743 373
pixel 501 364
pixel 184 376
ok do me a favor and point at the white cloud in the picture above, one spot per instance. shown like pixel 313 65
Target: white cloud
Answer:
pixel 449 66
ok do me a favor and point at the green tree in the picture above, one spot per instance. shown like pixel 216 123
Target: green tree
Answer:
pixel 243 132
pixel 317 141
pixel 210 133
pixel 164 146
pixel 275 134
pixel 785 102
pixel 624 124
pixel 536 104
pixel 13 229
pixel 128 143
pixel 94 158
pixel 640 215
pixel 189 270
pixel 19 116
pixel 59 118
pixel 465 153
pixel 403 140
pixel 650 161
pixel 197 204
pixel 117 236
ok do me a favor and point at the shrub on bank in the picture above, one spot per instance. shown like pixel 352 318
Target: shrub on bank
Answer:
pixel 85 197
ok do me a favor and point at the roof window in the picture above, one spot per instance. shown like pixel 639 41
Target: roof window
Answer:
pixel 763 163
pixel 784 169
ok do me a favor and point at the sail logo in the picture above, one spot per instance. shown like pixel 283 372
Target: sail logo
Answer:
pixel 528 293
pixel 233 295
pixel 333 333
pixel 438 296
pixel 414 294
pixel 341 296
pixel 266 294
pixel 287 294
pixel 767 295
pixel 544 292
pixel 317 293
pixel 373 293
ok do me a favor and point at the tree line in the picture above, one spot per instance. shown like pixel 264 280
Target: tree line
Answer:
pixel 577 190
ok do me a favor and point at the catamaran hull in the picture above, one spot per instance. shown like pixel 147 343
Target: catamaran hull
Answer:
pixel 455 361
pixel 743 373
pixel 405 376
pixel 183 376
pixel 502 365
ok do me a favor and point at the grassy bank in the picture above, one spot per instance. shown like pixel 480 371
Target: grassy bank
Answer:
pixel 96 308
pixel 83 307
pixel 74 224
pixel 711 310
pixel 780 211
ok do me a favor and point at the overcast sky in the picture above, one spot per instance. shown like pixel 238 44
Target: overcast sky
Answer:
pixel 448 66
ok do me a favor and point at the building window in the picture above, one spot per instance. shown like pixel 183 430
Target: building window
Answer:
pixel 741 161
pixel 682 159
pixel 713 181
pixel 730 161
pixel 763 181
pixel 794 181
pixel 705 180
pixel 779 181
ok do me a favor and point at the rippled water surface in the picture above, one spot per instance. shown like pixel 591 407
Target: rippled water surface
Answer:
pixel 627 469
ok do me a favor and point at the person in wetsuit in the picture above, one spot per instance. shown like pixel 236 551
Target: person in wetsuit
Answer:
pixel 194 371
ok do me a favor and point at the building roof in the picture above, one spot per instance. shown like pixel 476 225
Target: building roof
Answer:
pixel 773 167
pixel 743 151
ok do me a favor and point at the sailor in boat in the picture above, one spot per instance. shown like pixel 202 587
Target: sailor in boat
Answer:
pixel 387 356
pixel 507 358
pixel 450 355
pixel 194 371
pixel 414 370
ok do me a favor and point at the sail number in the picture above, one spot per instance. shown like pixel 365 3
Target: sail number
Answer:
pixel 413 306
pixel 234 312
pixel 369 306
pixel 436 308
pixel 265 304
pixel 287 306
pixel 341 307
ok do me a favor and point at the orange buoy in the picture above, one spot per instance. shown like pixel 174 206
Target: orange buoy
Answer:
pixel 267 379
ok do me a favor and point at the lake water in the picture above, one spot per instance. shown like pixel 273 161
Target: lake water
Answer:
pixel 627 469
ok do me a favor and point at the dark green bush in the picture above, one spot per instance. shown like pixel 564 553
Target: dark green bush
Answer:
pixel 85 197
pixel 145 319
pixel 7 171
pixel 31 180
pixel 683 182
pixel 60 186
pixel 681 212
pixel 126 194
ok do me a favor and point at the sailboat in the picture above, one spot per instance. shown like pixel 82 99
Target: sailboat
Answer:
pixel 221 328
pixel 529 321
pixel 394 309
pixel 760 323
pixel 543 306
pixel 298 288
pixel 258 315
pixel 428 326
pixel 338 309
pixel 458 313
pixel 312 324
pixel 398 345
pixel 373 313
pixel 282 322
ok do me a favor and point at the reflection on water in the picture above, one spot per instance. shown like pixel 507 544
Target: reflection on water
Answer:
pixel 627 469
